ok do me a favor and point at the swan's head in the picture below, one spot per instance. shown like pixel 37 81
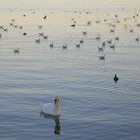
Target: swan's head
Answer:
pixel 57 106
pixel 57 100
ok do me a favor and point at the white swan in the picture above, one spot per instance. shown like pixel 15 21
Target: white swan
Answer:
pixel 52 109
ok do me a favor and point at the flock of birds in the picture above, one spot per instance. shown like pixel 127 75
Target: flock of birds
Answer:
pixel 112 21
pixel 112 25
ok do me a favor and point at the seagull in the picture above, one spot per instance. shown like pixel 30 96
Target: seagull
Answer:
pixel 102 57
pixel 78 45
pixel 51 45
pixel 40 26
pixel 137 39
pixel 37 40
pixel 100 49
pixel 98 37
pixel 73 25
pixel 45 36
pixel 24 34
pixel 81 41
pixel 117 38
pixel 112 46
pixel 64 47
pixel 45 17
pixel 16 50
pixel 85 33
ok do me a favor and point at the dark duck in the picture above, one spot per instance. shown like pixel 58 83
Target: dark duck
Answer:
pixel 116 78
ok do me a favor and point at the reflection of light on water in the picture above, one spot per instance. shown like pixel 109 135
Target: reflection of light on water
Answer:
pixel 57 128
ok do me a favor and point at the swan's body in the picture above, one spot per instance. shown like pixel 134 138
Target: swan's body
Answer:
pixel 52 108
pixel 48 108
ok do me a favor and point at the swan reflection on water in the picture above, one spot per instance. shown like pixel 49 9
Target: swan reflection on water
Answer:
pixel 57 128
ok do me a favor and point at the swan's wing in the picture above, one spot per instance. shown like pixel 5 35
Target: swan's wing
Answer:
pixel 48 108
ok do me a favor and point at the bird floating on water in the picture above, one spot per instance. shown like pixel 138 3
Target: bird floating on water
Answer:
pixel 16 50
pixel 73 25
pixel 112 46
pixel 82 41
pixel 78 45
pixel 100 49
pixel 51 45
pixel 24 34
pixel 52 109
pixel 116 78
pixel 37 40
pixel 45 17
pixel 102 57
pixel 64 47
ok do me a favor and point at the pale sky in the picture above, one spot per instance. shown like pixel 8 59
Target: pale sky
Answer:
pixel 68 3
pixel 73 1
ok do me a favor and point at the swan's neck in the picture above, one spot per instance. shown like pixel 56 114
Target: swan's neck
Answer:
pixel 57 108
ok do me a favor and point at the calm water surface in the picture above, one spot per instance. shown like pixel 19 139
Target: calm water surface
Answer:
pixel 93 106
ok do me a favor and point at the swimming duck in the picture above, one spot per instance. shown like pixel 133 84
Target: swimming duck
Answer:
pixel 116 78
